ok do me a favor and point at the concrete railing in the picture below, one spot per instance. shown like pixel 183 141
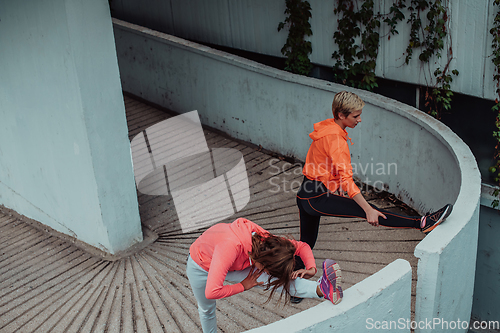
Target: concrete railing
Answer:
pixel 396 148
pixel 368 305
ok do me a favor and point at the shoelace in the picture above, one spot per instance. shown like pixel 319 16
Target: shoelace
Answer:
pixel 435 216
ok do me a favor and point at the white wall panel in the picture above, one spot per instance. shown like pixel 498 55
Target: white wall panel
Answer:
pixel 255 26
pixel 489 87
pixel 203 20
pixel 392 55
pixel 252 25
pixel 470 43
pixel 323 24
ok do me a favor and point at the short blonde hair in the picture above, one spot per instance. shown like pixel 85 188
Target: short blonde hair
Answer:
pixel 345 103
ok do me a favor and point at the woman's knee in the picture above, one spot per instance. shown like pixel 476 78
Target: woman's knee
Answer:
pixel 206 310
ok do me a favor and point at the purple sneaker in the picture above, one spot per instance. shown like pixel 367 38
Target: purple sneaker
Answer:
pixel 330 281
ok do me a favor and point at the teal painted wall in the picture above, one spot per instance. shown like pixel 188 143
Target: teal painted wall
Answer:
pixel 486 289
pixel 65 157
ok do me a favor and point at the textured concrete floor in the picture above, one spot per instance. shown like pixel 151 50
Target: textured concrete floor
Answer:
pixel 48 284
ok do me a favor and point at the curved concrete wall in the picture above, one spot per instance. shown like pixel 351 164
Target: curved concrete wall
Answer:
pixel 369 305
pixel 397 147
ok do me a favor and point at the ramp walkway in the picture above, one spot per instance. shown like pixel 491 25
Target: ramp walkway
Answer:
pixel 48 284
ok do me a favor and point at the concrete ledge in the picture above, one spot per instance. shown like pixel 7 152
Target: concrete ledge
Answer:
pixel 380 300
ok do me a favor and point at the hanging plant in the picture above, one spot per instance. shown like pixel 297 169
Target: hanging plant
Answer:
pixel 297 48
pixel 358 37
pixel 355 64
pixel 429 39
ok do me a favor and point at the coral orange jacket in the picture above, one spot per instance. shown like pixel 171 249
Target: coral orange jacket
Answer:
pixel 328 159
pixel 225 247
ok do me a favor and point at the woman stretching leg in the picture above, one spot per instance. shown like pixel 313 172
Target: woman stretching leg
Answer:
pixel 328 188
pixel 245 253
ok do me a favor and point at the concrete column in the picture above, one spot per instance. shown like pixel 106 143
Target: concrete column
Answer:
pixel 65 156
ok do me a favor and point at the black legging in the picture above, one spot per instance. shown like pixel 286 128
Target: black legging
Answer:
pixel 314 200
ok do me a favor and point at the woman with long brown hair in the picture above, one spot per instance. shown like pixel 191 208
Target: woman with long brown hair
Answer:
pixel 245 253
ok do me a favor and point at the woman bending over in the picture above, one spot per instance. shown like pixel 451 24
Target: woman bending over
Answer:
pixel 244 253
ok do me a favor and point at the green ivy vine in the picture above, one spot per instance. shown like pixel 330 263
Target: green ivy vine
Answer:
pixel 297 48
pixel 438 96
pixel 358 39
pixel 495 32
pixel 355 63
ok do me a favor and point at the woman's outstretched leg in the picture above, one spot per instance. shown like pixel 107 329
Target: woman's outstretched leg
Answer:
pixel 329 204
pixel 314 201
pixel 328 286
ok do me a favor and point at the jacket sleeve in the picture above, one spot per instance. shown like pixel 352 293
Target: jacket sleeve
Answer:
pixel 341 159
pixel 223 257
pixel 303 250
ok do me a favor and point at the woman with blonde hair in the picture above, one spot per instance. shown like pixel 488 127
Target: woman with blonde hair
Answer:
pixel 328 188
pixel 245 253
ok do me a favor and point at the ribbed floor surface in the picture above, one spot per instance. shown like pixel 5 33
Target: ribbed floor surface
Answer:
pixel 49 285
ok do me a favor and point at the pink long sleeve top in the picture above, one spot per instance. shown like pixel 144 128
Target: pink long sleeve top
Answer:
pixel 226 247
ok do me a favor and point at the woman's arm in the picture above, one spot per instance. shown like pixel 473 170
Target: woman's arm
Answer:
pixel 303 250
pixel 372 214
pixel 342 168
pixel 341 155
pixel 223 257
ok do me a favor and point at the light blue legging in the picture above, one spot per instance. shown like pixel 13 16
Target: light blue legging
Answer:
pixel 206 307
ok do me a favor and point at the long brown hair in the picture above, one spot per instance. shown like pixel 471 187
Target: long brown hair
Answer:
pixel 276 254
